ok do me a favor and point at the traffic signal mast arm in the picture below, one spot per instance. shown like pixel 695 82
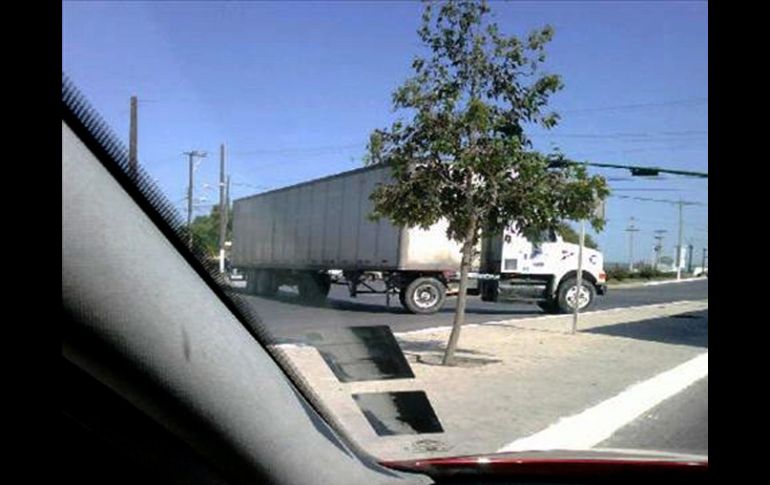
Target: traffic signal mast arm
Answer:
pixel 635 170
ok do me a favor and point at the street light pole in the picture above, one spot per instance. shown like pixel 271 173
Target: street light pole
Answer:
pixel 659 238
pixel 631 230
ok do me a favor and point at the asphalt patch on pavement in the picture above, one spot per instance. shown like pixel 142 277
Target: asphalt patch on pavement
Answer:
pixel 689 328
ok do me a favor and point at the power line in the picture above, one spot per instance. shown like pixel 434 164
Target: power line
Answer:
pixel 647 189
pixel 639 105
pixel 660 136
pixel 691 145
pixel 645 199
pixel 291 151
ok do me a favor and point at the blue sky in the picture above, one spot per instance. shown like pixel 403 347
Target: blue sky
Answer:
pixel 294 88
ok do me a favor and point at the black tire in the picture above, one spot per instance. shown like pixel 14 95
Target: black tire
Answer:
pixel 549 306
pixel 423 296
pixel 488 290
pixel 566 292
pixel 314 287
pixel 266 283
pixel 251 282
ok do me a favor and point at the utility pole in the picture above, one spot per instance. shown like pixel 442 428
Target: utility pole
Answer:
pixel 191 156
pixel 659 238
pixel 703 265
pixel 222 209
pixel 631 230
pixel 679 243
pixel 227 201
pixel 133 161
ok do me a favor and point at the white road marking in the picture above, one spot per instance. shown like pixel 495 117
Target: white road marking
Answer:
pixel 594 425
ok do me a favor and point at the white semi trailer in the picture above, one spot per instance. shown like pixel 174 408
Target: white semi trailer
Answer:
pixel 304 234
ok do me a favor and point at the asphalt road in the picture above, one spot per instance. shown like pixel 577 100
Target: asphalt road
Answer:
pixel 678 424
pixel 288 319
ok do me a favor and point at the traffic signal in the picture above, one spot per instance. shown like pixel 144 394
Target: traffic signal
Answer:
pixel 644 172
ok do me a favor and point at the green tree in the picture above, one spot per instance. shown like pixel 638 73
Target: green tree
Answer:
pixel 570 235
pixel 464 154
pixel 206 230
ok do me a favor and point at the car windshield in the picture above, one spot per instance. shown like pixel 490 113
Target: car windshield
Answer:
pixel 285 136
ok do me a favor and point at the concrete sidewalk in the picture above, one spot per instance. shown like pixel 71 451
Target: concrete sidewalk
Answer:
pixel 513 379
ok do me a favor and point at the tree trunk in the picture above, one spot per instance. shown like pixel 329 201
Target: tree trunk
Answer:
pixel 462 296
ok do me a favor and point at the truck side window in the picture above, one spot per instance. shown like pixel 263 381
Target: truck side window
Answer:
pixel 547 236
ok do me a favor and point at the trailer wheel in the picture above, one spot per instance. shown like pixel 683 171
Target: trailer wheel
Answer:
pixel 251 282
pixel 424 295
pixel 314 287
pixel 266 283
pixel 567 295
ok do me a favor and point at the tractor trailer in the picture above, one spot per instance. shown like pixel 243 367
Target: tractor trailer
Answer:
pixel 318 233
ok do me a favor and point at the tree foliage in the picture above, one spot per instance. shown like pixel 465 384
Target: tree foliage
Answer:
pixel 205 230
pixel 570 235
pixel 464 154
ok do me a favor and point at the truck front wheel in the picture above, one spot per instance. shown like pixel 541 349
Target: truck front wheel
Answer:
pixel 568 295
pixel 424 295
pixel 251 282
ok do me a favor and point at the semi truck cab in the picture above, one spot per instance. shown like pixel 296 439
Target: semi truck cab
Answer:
pixel 513 268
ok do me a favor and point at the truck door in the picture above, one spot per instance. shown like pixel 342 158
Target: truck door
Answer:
pixel 545 254
pixel 517 252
